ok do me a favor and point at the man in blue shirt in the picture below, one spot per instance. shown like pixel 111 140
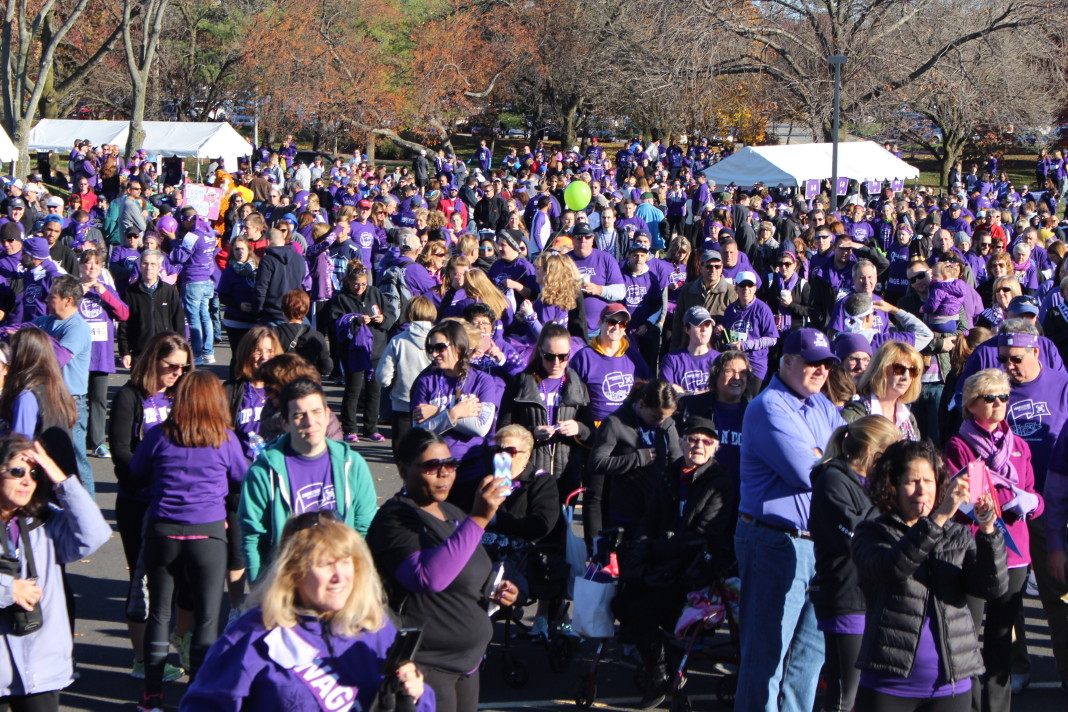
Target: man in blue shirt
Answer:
pixel 65 324
pixel 781 648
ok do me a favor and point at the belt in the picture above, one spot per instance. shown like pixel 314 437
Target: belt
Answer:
pixel 794 533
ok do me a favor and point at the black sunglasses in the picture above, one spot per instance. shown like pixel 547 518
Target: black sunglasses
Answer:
pixel 511 451
pixel 991 397
pixel 438 348
pixel 1015 360
pixel 447 464
pixel 917 277
pixel 17 473
pixel 555 357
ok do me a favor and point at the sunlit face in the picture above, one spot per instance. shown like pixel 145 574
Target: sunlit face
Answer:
pixel 443 354
pixel 240 251
pixel 307 420
pixel 358 283
pixel 857 363
pixel 864 281
pixel 17 491
pixel 150 267
pixel 805 378
pixel 917 491
pixel 459 273
pixel 989 407
pixel 1021 364
pixel 438 256
pixel 698 448
pixel 701 334
pixel 170 368
pixel 730 255
pixel 637 260
pixel 90 269
pixel 555 354
pixel 327 584
pixel 430 479
pixel 484 325
pixel 899 377
pixel 614 328
pixel 263 353
pixel 520 454
pixel 731 383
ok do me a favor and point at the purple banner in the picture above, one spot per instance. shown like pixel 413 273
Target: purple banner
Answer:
pixel 874 187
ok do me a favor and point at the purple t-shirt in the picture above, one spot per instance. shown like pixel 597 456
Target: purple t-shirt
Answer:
pixel 608 378
pixel 644 297
pixel 926 680
pixel 1037 413
pixel 753 326
pixel 248 415
pixel 156 408
pixel 598 268
pixel 549 390
pixel 728 418
pixel 311 482
pixel 845 624
pixel 687 371
pixel 433 387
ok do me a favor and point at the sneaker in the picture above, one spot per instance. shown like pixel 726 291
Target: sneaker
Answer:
pixel 198 361
pixel 208 359
pixel 1032 584
pixel 1020 681
pixel 540 628
pixel 151 703
pixel 352 438
pixel 181 644
pixel 377 437
pixel 655 694
pixel 102 452
pixel 170 672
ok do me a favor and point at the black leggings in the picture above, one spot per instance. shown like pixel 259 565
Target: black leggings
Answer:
pixel 996 692
pixel 41 702
pixel 200 563
pixel 98 410
pixel 840 671
pixel 453 691
pixel 871 701
pixel 361 394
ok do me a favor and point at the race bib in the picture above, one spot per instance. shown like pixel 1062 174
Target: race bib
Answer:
pixel 98 330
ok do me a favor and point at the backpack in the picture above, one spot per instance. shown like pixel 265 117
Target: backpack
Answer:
pixel 112 227
pixel 395 292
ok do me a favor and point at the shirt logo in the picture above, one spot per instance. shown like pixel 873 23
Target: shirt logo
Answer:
pixel 616 386
pixel 1026 417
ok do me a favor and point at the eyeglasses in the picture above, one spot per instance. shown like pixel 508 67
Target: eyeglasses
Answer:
pixel 555 357
pixel 694 440
pixel 917 277
pixel 901 369
pixel 511 451
pixel 17 473
pixel 1015 360
pixel 183 367
pixel 438 348
pixel 991 397
pixel 712 267
pixel 444 465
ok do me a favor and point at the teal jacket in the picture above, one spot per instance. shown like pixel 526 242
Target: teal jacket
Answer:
pixel 266 500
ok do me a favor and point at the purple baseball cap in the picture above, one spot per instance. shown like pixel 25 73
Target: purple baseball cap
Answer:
pixel 809 344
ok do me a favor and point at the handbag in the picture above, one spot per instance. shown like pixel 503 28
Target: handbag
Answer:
pixel 592 617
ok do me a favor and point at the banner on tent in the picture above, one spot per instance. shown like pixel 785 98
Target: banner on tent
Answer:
pixel 874 187
pixel 204 198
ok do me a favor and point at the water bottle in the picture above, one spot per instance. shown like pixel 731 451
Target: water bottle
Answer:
pixel 256 444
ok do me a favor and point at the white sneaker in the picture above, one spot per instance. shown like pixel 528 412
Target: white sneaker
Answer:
pixel 208 359
pixel 1032 584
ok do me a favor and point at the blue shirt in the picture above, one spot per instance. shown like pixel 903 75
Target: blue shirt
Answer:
pixel 74 334
pixel 776 485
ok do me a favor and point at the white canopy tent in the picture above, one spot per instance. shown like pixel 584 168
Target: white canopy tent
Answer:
pixel 166 138
pixel 8 152
pixel 793 165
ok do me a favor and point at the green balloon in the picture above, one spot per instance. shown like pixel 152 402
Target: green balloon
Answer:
pixel 577 194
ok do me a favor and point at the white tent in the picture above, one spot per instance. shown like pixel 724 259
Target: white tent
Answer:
pixel 60 134
pixel 167 138
pixel 8 152
pixel 793 165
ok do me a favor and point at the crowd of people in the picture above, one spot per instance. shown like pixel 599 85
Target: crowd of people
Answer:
pixel 857 409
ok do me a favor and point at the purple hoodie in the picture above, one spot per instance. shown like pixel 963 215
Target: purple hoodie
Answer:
pixel 196 254
pixel 254 670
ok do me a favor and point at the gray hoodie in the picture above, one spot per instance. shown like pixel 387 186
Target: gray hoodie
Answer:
pixel 402 362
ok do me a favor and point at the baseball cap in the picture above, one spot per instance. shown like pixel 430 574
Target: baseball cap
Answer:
pixel 697 424
pixel 695 316
pixel 364 203
pixel 745 276
pixel 562 242
pixel 711 256
pixel 581 230
pixel 1023 304
pixel 637 247
pixel 647 195
pixel 15 204
pixel 611 310
pixel 54 202
pixel 809 344
pixel 847 344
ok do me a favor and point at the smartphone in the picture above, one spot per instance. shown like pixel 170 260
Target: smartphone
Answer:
pixel 375 311
pixel 487 341
pixel 404 648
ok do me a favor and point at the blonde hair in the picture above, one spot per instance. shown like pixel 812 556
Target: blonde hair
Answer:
pixel 515 431
pixel 278 597
pixel 1010 281
pixel 479 287
pixel 874 381
pixel 861 442
pixel 468 246
pixel 561 284
pixel 989 380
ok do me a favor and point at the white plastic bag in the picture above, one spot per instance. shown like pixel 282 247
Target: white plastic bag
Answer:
pixel 592 617
pixel 574 551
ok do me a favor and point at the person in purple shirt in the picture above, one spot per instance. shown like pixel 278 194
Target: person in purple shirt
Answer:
pixel 859 228
pixel 630 218
pixel 458 402
pixel 610 364
pixel 645 301
pixel 780 644
pixel 602 280
pixel 483 157
pixel 195 253
pixel 749 326
pixel 884 228
pixel 687 369
pixel 952 220
pixel 191 465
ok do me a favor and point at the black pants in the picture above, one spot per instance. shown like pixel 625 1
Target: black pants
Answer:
pixel 98 410
pixel 360 395
pixel 454 692
pixel 840 671
pixel 41 702
pixel 996 692
pixel 234 336
pixel 201 563
pixel 401 423
pixel 871 701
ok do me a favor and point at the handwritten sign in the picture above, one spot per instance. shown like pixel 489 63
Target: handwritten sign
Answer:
pixel 206 199
pixel 842 187
pixel 812 189
pixel 898 184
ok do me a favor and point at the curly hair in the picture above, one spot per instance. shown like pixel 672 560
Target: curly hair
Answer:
pixel 561 283
pixel 894 463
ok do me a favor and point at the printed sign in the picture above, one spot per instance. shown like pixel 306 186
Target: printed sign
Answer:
pixel 206 199
pixel 874 187
pixel 812 189
pixel 898 184
pixel 842 187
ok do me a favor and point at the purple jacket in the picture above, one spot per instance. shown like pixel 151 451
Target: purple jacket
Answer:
pixel 944 299
pixel 196 254
pixel 251 669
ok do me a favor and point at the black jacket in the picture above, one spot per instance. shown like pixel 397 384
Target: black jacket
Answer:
pixel 531 511
pixel 345 302
pixel 125 425
pixel 280 271
pixel 492 213
pixel 666 544
pixel 908 573
pixel 840 502
pixel 800 309
pixel 305 341
pixel 620 467
pixel 559 456
pixel 151 313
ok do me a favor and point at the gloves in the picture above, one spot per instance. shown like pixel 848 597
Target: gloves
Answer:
pixel 1022 504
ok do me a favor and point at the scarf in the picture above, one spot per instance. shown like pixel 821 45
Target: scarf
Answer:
pixel 245 270
pixel 993 448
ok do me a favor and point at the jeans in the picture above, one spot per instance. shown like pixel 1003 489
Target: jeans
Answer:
pixel 782 650
pixel 196 297
pixel 85 470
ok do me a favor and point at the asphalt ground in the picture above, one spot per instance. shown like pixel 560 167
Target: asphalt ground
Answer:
pixel 103 655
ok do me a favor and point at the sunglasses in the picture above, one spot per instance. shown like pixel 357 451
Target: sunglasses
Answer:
pixel 826 363
pixel 991 397
pixel 785 264
pixel 17 473
pixel 1015 360
pixel 555 357
pixel 510 451
pixel 582 237
pixel 1002 290
pixel 446 465
pixel 307 520
pixel 917 277
pixel 438 348
pixel 485 249
pixel 901 369
pixel 694 440
pixel 712 268
pixel 616 322
pixel 183 367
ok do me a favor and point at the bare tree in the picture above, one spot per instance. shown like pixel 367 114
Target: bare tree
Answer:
pixel 140 55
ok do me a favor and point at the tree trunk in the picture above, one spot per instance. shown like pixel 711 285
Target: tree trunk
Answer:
pixel 21 138
pixel 136 139
pixel 568 121
pixel 952 150
pixel 370 148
